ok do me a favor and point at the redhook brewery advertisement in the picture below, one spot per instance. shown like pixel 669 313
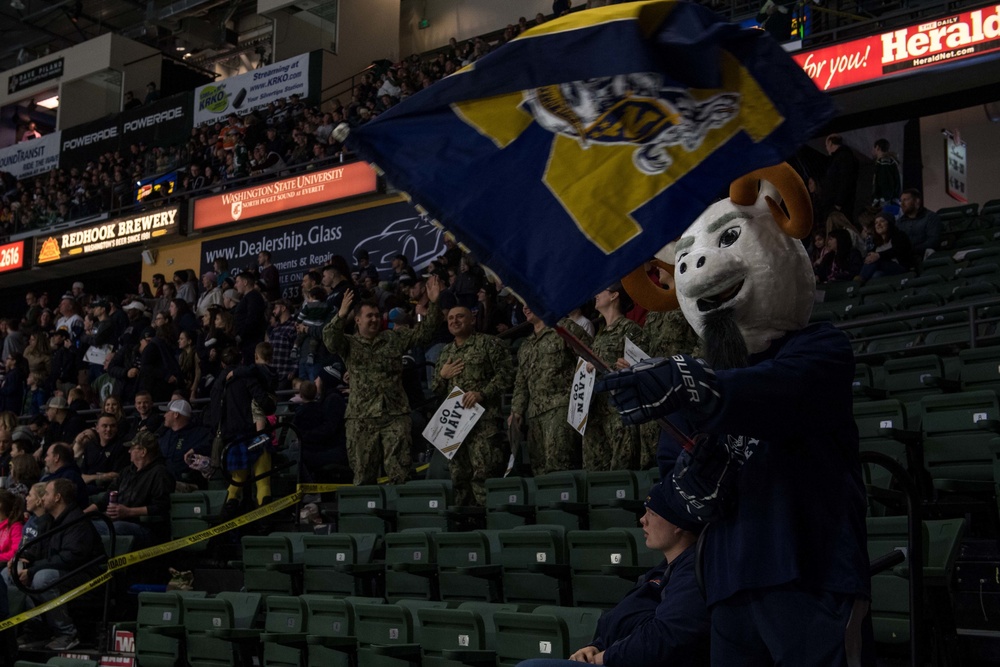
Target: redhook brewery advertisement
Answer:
pixel 306 189
pixel 11 256
pixel 109 235
pixel 922 45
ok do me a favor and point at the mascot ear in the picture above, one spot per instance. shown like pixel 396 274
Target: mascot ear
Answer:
pixel 644 292
pixel 743 192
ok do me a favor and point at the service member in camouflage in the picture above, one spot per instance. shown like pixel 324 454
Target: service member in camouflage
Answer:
pixel 668 334
pixel 607 443
pixel 480 366
pixel 541 395
pixel 378 413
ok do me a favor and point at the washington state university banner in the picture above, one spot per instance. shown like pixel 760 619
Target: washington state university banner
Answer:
pixel 567 157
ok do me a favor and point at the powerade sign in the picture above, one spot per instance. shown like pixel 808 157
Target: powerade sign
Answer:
pixel 165 121
pixel 383 231
pixel 243 93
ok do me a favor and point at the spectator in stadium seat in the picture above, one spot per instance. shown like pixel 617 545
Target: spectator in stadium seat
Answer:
pixel 65 552
pixel 281 334
pixel 892 253
pixel 185 290
pixel 211 294
pixel 64 423
pixel 104 460
pixel 842 262
pixel 365 267
pixel 69 317
pixel 144 489
pixel 378 414
pixel 152 94
pixel 14 384
pixel 321 425
pixel 130 101
pixel 921 225
pixel 179 437
pixel 60 464
pixel 663 620
pixel 145 417
pixel 156 369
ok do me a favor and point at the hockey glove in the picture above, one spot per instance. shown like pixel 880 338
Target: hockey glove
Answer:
pixel 655 388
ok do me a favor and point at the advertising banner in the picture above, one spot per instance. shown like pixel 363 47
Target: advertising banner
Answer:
pixel 384 231
pixel 34 76
pixel 956 164
pixel 88 141
pixel 943 40
pixel 33 157
pixel 307 189
pixel 114 234
pixel 12 256
pixel 163 122
pixel 245 92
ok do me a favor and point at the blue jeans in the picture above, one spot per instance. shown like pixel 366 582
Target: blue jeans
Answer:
pixel 58 619
pixel 546 662
pixel 143 536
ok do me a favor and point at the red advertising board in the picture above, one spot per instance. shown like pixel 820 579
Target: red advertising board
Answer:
pixel 920 45
pixel 11 256
pixel 305 189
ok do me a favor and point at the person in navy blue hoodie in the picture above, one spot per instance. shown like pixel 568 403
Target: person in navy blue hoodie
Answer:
pixel 773 469
pixel 663 620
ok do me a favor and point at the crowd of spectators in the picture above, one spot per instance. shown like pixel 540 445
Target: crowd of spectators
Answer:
pixel 286 135
pixel 891 233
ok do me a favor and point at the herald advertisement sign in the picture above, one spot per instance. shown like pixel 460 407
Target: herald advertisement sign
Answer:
pixel 927 44
pixel 11 256
pixel 305 189
pixel 114 234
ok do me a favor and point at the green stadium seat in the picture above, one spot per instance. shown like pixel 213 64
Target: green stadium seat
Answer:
pixel 423 504
pixel 615 499
pixel 58 661
pixel 839 291
pixel 269 567
pixel 863 384
pixel 386 636
pixel 159 626
pixel 189 514
pixel 865 311
pixel 604 566
pixel 340 564
pixel 463 636
pixel 535 565
pixel 366 509
pixel 883 428
pixel 912 378
pixel 411 565
pixel 980 368
pixel 330 637
pixel 890 608
pixel 547 632
pixel 958 435
pixel 205 618
pixel 509 502
pixel 467 566
pixel 561 498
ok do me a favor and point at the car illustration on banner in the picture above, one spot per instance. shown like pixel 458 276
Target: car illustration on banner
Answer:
pixel 417 238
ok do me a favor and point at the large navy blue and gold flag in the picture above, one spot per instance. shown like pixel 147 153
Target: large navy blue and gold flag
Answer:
pixel 567 157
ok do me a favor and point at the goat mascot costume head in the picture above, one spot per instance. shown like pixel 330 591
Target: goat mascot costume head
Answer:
pixel 774 468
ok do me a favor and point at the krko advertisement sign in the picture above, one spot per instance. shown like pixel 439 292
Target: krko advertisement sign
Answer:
pixel 306 189
pixel 33 157
pixel 243 93
pixel 384 231
pixel 165 121
pixel 114 234
pixel 917 46
pixel 12 256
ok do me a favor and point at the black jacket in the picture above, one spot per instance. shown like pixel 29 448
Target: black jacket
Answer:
pixel 248 384
pixel 71 548
pixel 150 488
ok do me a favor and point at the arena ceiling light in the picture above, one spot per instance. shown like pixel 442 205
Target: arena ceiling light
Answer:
pixel 49 102
pixel 16 4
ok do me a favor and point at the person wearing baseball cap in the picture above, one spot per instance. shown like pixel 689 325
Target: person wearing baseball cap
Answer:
pixel 663 620
pixel 181 436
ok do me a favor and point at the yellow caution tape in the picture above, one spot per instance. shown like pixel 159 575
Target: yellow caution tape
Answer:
pixel 123 561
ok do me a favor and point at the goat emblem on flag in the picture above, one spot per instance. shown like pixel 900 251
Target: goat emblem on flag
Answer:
pixel 636 109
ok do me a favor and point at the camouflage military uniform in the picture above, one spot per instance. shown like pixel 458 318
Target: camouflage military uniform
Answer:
pixel 669 334
pixel 378 414
pixel 541 395
pixel 488 370
pixel 607 443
